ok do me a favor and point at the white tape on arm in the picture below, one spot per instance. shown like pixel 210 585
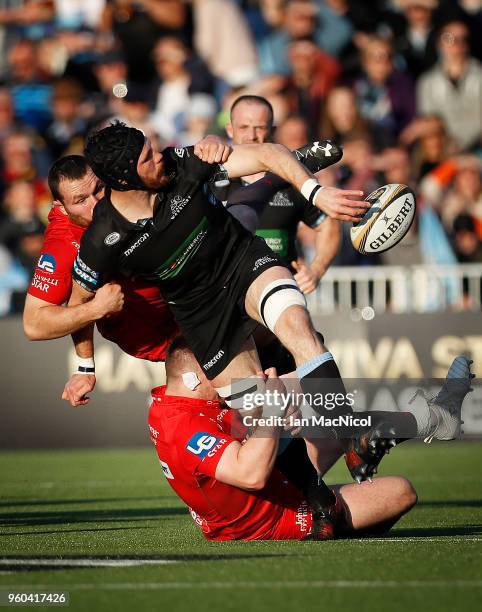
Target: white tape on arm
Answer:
pixel 85 365
pixel 309 189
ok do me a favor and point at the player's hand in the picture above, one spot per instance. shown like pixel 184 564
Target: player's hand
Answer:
pixel 274 391
pixel 76 389
pixel 292 414
pixel 108 300
pixel 212 149
pixel 306 277
pixel 341 204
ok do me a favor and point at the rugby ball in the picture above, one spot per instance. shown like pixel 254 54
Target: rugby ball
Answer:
pixel 385 223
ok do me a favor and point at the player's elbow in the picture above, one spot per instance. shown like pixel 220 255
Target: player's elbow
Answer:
pixel 32 331
pixel 255 481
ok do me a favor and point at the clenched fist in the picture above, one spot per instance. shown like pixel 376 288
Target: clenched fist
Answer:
pixel 108 300
pixel 76 389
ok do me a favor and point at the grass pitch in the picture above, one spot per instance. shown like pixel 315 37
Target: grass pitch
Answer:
pixel 89 505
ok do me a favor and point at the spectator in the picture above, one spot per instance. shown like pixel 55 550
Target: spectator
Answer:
pixel 19 165
pixel 75 14
pixel 138 24
pixel 133 109
pixel 199 117
pixel 223 41
pixel 31 94
pixel 292 132
pixel 20 19
pixel 68 124
pixel 323 22
pixel 180 75
pixel 341 119
pixel 13 281
pixel 313 75
pixel 428 138
pixel 470 12
pixel 358 165
pixel 417 43
pixel 453 88
pixel 464 195
pixel 111 74
pixel 7 115
pixel 467 244
pixel 21 230
pixel 384 95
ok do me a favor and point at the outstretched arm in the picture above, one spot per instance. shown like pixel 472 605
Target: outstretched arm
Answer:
pixel 253 158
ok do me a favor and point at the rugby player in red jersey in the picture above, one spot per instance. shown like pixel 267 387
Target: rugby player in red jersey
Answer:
pixel 237 488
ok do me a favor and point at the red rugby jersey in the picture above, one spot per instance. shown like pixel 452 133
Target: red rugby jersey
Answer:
pixel 145 326
pixel 190 436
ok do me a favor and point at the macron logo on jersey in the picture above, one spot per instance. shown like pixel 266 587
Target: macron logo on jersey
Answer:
pixel 203 443
pixel 47 263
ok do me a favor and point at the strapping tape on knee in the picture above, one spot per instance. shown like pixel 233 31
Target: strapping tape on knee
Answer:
pixel 276 298
pixel 240 394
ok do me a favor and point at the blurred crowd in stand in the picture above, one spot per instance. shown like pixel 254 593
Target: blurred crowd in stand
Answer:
pixel 397 82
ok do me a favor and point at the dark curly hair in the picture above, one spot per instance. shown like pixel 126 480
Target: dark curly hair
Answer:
pixel 113 152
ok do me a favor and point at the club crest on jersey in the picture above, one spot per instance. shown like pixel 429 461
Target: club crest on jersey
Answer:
pixel 177 204
pixel 179 152
pixel 47 263
pixel 281 199
pixel 112 238
pixel 202 443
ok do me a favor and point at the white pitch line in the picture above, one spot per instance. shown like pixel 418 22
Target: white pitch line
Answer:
pixel 21 562
pixel 273 584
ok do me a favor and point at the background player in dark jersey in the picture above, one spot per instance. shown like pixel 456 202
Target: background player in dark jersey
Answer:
pixel 252 122
pixel 239 489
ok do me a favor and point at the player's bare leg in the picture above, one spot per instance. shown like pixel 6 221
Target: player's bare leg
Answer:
pixel 375 507
pixel 293 327
pixel 275 300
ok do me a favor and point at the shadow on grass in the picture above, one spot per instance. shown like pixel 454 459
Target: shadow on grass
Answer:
pixel 26 519
pixel 50 562
pixel 8 503
pixel 452 503
pixel 87 530
pixel 430 532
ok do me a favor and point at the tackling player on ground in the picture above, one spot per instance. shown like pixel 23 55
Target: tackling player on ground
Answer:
pixel 255 488
pixel 284 207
